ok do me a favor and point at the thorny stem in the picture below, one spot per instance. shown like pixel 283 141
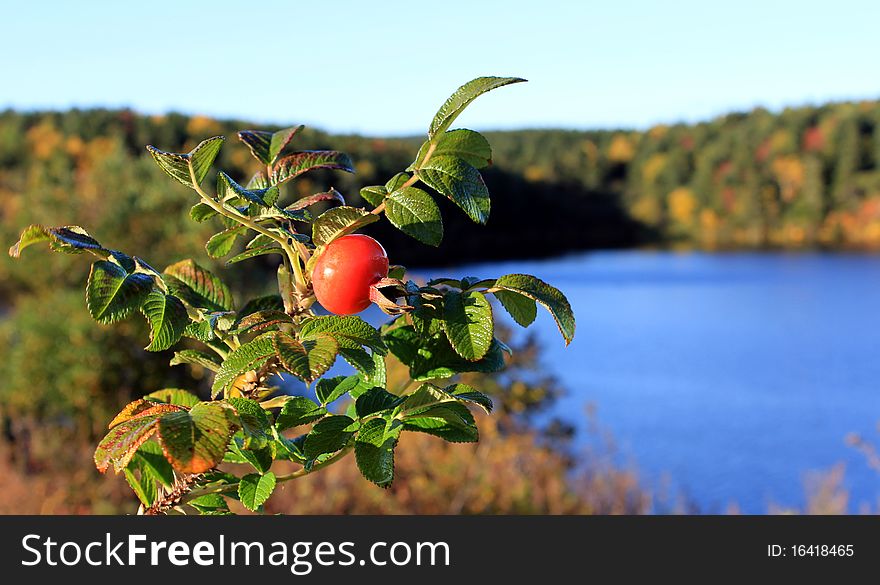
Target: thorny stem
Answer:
pixel 171 498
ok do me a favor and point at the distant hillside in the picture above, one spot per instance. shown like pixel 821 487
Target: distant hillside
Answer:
pixel 804 177
pixel 807 176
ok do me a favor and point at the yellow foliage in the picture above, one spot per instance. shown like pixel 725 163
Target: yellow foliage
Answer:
pixel 534 173
pixel 794 235
pixel 365 167
pixel 100 147
pixel 647 210
pixel 591 150
pixel 781 141
pixel 202 126
pixel 789 173
pixel 709 220
pixel 682 205
pixel 74 146
pixel 622 149
pixel 659 131
pixel 44 139
pixel 710 225
pixel 871 233
pixel 653 167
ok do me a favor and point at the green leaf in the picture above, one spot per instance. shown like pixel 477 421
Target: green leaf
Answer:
pixel 113 294
pixel 122 441
pixel 259 459
pixel 397 182
pixel 293 165
pixel 330 434
pixel 363 361
pixel 469 282
pixel 376 400
pixel 462 97
pixel 261 321
pixel 70 239
pixel 202 330
pixel 144 488
pixel 465 144
pixel 254 489
pixel 397 271
pixel 426 397
pixel 451 422
pixel 258 181
pixel 427 314
pixel 307 359
pixel 228 189
pixel 258 142
pixel 433 357
pixel 468 322
pixel 460 182
pixel 260 241
pixel 371 369
pixel 247 357
pixel 264 303
pixel 154 469
pixel 374 450
pixel 434 411
pixel 196 357
pixel 152 461
pixel 281 139
pixel 298 411
pixel 551 298
pixel 523 309
pixel 194 441
pixel 332 195
pixel 201 212
pixel 174 396
pixel 374 195
pixel 415 213
pixel 290 449
pixel 350 331
pixel 339 221
pixel 210 504
pixel 266 146
pixel 167 318
pixel 221 243
pixel 469 394
pixel 331 389
pixel 198 287
pixel 254 422
pixel 376 375
pixel 196 163
pixel 254 252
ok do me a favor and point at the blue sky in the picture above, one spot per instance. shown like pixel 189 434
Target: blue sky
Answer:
pixel 384 67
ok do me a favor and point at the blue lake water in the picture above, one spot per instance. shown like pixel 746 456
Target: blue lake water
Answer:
pixel 734 375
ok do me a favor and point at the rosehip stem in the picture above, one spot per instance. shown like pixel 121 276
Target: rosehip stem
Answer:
pixel 234 215
pixel 409 182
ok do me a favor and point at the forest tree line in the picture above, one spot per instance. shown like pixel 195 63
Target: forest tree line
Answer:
pixel 804 177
